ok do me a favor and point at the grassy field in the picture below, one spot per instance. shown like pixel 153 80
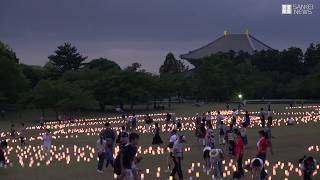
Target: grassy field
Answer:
pixel 290 144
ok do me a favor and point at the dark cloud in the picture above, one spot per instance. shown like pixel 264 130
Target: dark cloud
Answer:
pixel 145 30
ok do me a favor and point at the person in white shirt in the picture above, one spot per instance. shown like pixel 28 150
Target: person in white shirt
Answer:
pixel 47 140
pixel 178 148
pixel 101 152
pixel 172 139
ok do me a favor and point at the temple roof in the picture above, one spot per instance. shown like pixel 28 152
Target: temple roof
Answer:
pixel 229 42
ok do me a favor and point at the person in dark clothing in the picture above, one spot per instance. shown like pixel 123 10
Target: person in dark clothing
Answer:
pixel 13 131
pixel 262 118
pixel 109 136
pixel 168 119
pixel 148 121
pixel 123 137
pixel 269 118
pixel 157 139
pixel 246 122
pixel 134 121
pixel 179 125
pixel 128 156
pixel 307 165
pixel 201 133
pixel 22 134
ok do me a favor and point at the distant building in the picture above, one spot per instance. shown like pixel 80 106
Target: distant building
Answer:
pixel 228 42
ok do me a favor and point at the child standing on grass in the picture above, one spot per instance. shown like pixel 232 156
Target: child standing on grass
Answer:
pixel 101 144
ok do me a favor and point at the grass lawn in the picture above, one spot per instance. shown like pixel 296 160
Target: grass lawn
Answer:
pixel 290 144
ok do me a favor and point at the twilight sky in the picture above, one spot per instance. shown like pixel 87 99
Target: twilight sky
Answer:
pixel 144 31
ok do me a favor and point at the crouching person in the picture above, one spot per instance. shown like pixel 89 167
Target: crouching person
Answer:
pixel 307 166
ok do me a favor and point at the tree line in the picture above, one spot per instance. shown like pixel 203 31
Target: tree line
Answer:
pixel 70 82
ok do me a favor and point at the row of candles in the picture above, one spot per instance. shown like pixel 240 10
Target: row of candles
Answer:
pixel 73 130
pixel 86 154
pixel 36 155
pixel 314 148
pixel 197 170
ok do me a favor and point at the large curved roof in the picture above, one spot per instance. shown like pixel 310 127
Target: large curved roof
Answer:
pixel 228 42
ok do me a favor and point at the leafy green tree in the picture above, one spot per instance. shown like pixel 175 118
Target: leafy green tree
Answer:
pixel 45 95
pixel 312 56
pixel 12 79
pixel 74 98
pixel 33 73
pixel 66 58
pixel 7 53
pixel 134 67
pixel 102 64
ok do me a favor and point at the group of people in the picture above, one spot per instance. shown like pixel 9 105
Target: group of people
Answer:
pixel 125 162
pixel 124 165
pixel 232 140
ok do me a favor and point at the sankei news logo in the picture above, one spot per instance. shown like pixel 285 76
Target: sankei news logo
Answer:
pixel 297 9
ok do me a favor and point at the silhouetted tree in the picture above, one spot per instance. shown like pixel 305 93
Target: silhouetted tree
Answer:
pixel 66 58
